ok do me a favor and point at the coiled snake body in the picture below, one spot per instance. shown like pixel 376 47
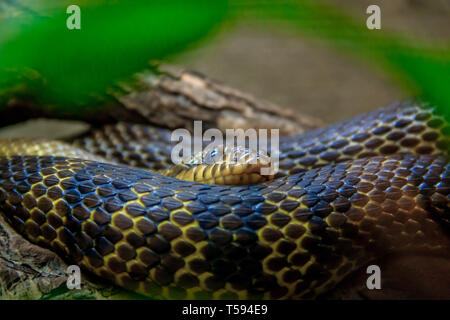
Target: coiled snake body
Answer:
pixel 344 195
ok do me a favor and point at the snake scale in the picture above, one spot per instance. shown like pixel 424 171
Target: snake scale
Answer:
pixel 344 195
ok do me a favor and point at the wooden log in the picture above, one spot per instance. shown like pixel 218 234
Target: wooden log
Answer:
pixel 171 98
pixel 176 97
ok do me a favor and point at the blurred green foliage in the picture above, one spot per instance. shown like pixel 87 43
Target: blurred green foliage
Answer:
pixel 116 39
pixel 119 37
pixel 420 68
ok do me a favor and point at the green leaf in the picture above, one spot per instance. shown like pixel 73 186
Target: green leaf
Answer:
pixel 116 39
pixel 421 69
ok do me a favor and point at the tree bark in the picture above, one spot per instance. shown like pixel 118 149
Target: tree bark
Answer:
pixel 177 97
pixel 171 98
pixel 28 271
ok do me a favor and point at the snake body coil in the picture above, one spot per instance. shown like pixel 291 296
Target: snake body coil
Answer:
pixel 344 195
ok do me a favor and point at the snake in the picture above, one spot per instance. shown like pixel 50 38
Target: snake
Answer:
pixel 343 196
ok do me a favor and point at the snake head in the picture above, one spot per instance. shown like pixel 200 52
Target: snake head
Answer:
pixel 223 165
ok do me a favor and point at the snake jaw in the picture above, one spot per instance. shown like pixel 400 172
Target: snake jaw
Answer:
pixel 233 166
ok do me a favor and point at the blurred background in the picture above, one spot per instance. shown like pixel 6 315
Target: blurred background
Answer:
pixel 308 74
pixel 303 73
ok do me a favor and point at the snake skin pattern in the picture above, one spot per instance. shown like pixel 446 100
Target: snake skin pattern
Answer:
pixel 344 195
pixel 400 128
